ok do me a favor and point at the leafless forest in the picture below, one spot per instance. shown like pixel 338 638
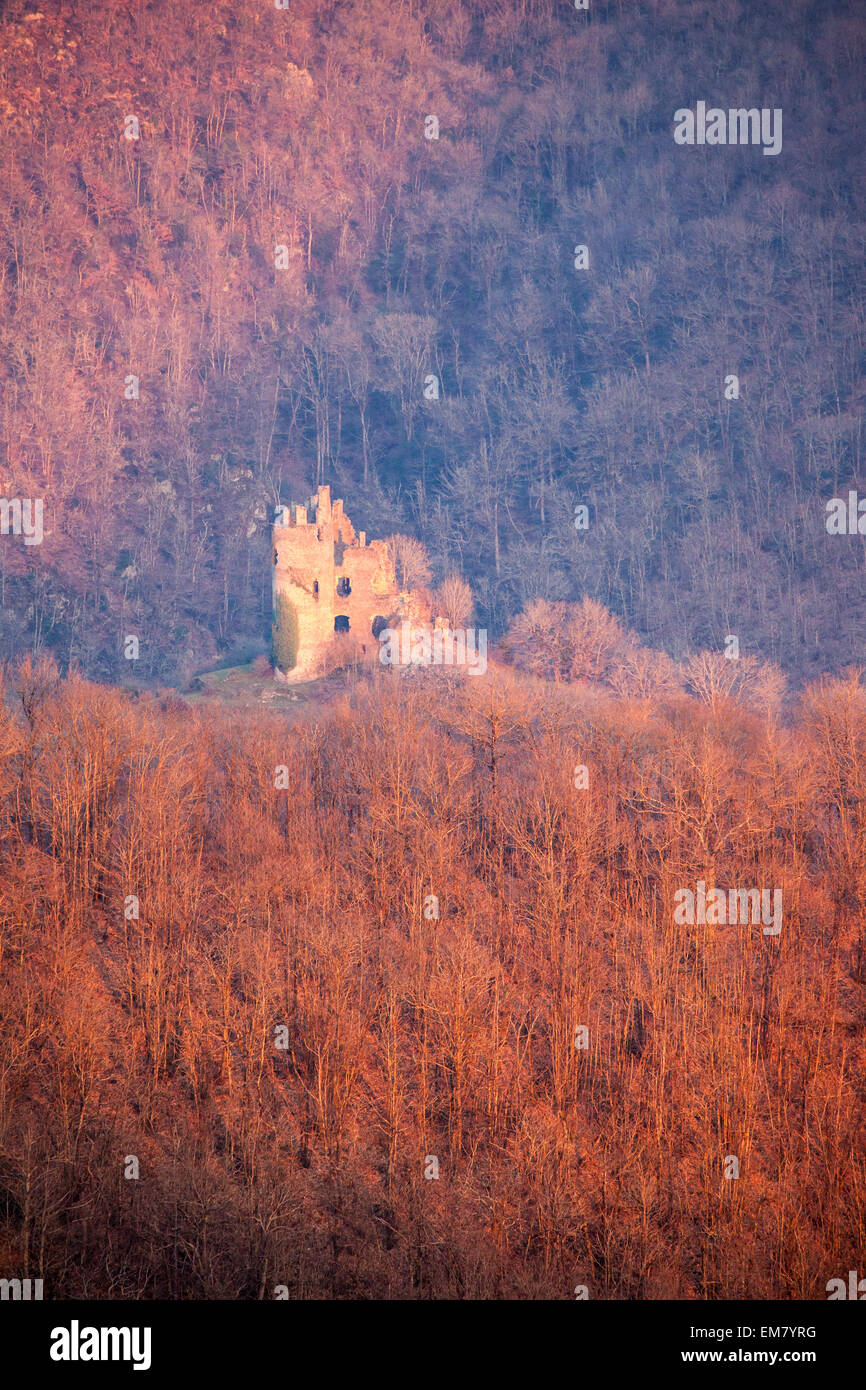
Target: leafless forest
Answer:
pixel 415 1031
pixel 388 997
pixel 304 129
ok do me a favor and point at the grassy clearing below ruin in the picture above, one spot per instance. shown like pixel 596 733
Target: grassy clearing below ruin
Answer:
pixel 239 687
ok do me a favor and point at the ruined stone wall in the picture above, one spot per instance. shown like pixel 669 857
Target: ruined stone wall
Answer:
pixel 317 555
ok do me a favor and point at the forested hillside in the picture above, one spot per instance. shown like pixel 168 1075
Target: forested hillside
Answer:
pixel 282 259
pixel 255 979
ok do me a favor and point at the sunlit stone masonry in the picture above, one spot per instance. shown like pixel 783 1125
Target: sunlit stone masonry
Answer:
pixel 330 580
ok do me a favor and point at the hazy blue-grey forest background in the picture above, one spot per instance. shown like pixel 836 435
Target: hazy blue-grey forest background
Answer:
pixel 409 256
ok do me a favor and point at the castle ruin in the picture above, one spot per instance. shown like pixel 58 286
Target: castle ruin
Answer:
pixel 329 579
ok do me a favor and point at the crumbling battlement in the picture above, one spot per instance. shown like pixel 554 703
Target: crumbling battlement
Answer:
pixel 334 580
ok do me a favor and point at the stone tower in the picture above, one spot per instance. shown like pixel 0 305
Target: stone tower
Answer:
pixel 334 581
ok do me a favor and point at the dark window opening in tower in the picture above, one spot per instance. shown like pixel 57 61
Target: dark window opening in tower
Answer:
pixel 341 623
pixel 316 590
pixel 379 625
pixel 344 588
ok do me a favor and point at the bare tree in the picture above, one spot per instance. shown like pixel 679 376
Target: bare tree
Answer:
pixel 454 600
pixel 409 562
